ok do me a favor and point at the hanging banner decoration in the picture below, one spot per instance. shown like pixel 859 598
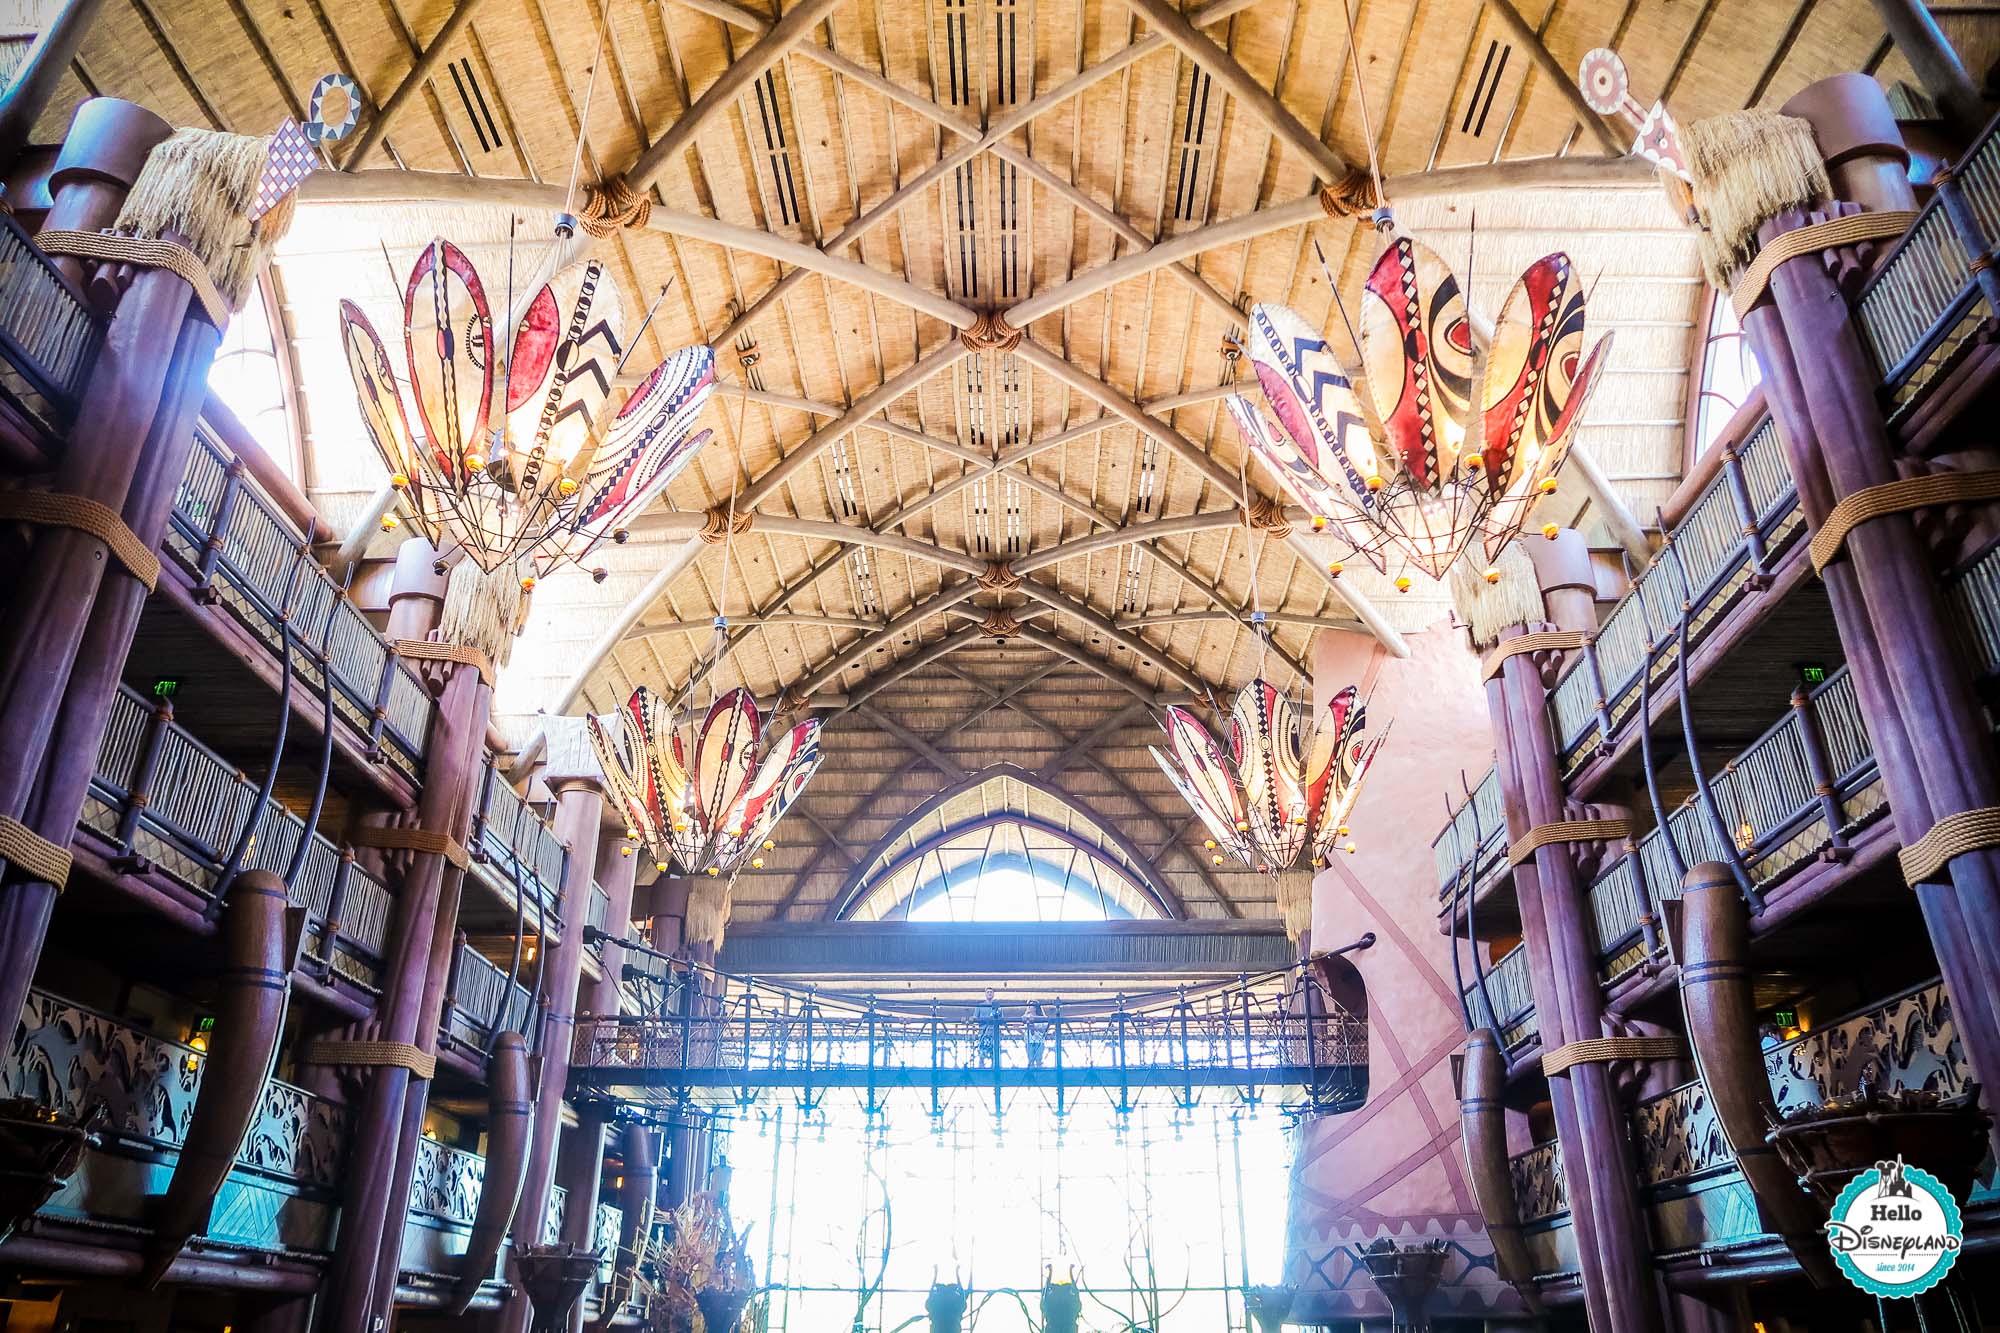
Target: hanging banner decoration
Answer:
pixel 1607 90
pixel 289 160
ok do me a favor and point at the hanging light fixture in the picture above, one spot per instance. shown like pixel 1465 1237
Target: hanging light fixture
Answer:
pixel 1283 789
pixel 1465 447
pixel 511 462
pixel 704 799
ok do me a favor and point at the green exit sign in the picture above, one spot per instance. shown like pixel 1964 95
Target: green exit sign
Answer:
pixel 1785 1018
pixel 1812 673
pixel 166 687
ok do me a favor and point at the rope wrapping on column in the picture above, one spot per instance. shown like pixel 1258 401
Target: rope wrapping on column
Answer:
pixel 374 1054
pixel 31 853
pixel 1831 234
pixel 1952 836
pixel 50 509
pixel 1566 830
pixel 1350 196
pixel 426 650
pixel 1540 641
pixel 415 840
pixel 1603 1050
pixel 1897 497
pixel 182 262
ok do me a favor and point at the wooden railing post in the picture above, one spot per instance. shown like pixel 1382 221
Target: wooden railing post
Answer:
pixel 336 903
pixel 1813 741
pixel 1596 670
pixel 1746 517
pixel 1979 250
pixel 218 530
pixel 143 775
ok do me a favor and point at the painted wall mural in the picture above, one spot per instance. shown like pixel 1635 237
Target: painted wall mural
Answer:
pixel 1395 1167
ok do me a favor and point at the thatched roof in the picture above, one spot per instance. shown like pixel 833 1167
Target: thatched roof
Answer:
pixel 1065 219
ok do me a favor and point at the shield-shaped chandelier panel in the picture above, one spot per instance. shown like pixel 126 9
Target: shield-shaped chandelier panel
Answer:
pixel 518 461
pixel 1286 786
pixel 1466 444
pixel 705 797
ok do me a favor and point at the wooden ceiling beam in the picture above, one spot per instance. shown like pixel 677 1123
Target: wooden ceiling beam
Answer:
pixel 882 788
pixel 1014 118
pixel 1122 788
pixel 1091 386
pixel 1168 21
pixel 794 27
pixel 378 124
pixel 449 187
pixel 1063 604
pixel 934 605
pixel 935 757
pixel 1096 736
pixel 1563 78
pixel 1275 617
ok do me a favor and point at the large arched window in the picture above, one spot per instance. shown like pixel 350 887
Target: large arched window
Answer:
pixel 1001 846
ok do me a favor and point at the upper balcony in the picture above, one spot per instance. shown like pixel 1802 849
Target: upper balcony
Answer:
pixel 49 338
pixel 1701 1210
pixel 231 547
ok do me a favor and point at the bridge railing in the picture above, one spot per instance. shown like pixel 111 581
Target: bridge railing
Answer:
pixel 732 1038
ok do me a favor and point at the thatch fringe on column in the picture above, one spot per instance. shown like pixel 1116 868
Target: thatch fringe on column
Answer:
pixel 202 184
pixel 1748 167
pixel 1516 599
pixel 484 611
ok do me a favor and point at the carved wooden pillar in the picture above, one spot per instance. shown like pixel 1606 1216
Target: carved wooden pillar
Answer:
pixel 578 785
pixel 1890 614
pixel 361 1282
pixel 1937 65
pixel 581 1168
pixel 1620 1286
pixel 66 627
pixel 1486 1158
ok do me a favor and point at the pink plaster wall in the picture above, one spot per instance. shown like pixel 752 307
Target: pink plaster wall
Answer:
pixel 1395 1167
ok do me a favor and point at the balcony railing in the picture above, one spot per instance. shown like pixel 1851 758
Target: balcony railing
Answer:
pixel 1769 797
pixel 1973 597
pixel 512 840
pixel 1477 832
pixel 1718 557
pixel 162 799
pixel 70 1058
pixel 1919 311
pixel 481 1002
pixel 1540 1190
pixel 1513 997
pixel 48 336
pixel 444 1197
pixel 238 547
pixel 598 913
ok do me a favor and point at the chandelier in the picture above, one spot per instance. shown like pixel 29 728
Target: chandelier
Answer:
pixel 511 461
pixel 1283 788
pixel 1465 446
pixel 705 800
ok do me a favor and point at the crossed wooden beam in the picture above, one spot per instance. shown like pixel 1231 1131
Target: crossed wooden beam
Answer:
pixel 792 33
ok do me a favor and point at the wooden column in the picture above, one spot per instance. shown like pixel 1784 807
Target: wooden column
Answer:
pixel 1620 1287
pixel 361 1279
pixel 1891 617
pixel 581 1166
pixel 39 73
pixel 1937 65
pixel 579 815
